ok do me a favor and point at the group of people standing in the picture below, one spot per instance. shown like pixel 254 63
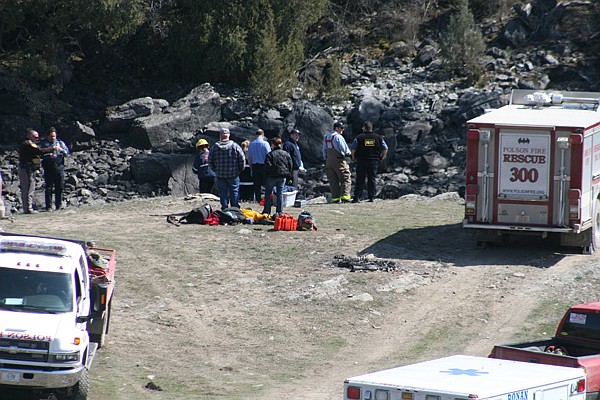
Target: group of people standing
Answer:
pixel 48 154
pixel 271 167
pixel 368 149
pixel 273 163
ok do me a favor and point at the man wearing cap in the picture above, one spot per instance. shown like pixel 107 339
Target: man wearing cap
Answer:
pixel 291 146
pixel 227 159
pixel 29 162
pixel 201 167
pixel 335 149
pixel 368 149
pixel 257 152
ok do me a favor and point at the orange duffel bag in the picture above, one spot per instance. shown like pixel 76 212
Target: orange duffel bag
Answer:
pixel 286 222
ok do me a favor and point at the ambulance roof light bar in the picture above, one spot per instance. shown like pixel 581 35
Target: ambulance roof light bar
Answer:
pixel 32 246
pixel 541 99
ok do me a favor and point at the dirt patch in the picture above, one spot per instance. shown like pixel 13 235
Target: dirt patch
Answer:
pixel 245 312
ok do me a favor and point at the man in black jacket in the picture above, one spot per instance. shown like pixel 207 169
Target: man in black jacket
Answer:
pixel 278 168
pixel 368 149
pixel 291 146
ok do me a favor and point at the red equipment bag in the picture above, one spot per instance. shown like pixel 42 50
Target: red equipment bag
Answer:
pixel 286 222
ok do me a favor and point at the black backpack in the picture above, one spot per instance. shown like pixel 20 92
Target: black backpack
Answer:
pixel 197 215
pixel 230 216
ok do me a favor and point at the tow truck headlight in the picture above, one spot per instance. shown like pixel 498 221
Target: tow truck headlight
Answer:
pixel 382 394
pixel 65 357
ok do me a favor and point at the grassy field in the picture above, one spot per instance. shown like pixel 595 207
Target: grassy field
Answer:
pixel 245 312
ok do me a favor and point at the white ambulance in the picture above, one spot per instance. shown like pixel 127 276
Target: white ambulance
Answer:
pixel 467 377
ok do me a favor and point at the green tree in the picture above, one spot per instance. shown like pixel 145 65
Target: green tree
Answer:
pixel 270 77
pixel 462 44
pixel 334 88
pixel 228 41
pixel 43 39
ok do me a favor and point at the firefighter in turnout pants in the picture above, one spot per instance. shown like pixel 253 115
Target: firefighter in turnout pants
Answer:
pixel 337 169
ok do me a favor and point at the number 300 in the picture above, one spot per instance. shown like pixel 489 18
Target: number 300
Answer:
pixel 524 174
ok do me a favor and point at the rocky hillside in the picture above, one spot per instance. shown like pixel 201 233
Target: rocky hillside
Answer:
pixel 143 145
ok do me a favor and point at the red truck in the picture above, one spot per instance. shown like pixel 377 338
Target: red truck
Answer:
pixel 575 344
pixel 533 168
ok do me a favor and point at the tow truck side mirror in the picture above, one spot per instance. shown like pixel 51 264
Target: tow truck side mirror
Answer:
pixel 99 297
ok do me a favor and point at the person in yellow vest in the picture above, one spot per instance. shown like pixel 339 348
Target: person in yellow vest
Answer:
pixel 335 150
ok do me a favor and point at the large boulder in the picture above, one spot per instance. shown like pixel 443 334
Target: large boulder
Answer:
pixel 77 136
pixel 173 171
pixel 271 122
pixel 179 121
pixel 119 118
pixel 314 123
pixel 414 131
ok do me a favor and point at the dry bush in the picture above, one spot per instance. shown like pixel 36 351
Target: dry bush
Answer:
pixel 498 9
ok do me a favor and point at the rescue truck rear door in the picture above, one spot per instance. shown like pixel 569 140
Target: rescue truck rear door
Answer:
pixel 524 179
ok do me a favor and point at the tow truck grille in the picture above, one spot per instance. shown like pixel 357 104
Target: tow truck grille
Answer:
pixel 23 350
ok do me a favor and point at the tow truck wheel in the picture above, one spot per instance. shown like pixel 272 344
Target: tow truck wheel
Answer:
pixel 81 388
pixel 77 392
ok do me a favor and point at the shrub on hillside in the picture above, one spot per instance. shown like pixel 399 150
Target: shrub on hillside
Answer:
pixel 462 44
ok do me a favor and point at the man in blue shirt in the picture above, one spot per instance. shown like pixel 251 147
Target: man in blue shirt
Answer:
pixel 335 149
pixel 257 152
pixel 54 168
pixel 227 159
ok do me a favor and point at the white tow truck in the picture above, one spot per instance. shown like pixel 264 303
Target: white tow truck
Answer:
pixel 55 298
pixel 463 377
pixel 533 168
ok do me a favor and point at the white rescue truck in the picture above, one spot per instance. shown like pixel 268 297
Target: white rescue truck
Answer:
pixel 466 378
pixel 533 168
pixel 55 298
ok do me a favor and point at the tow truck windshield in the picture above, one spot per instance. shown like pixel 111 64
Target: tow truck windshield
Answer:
pixel 37 291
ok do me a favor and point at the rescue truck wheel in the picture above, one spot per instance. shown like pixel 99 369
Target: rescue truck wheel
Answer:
pixel 595 234
pixel 596 228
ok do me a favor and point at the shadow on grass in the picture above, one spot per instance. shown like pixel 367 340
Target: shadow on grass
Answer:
pixel 456 245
